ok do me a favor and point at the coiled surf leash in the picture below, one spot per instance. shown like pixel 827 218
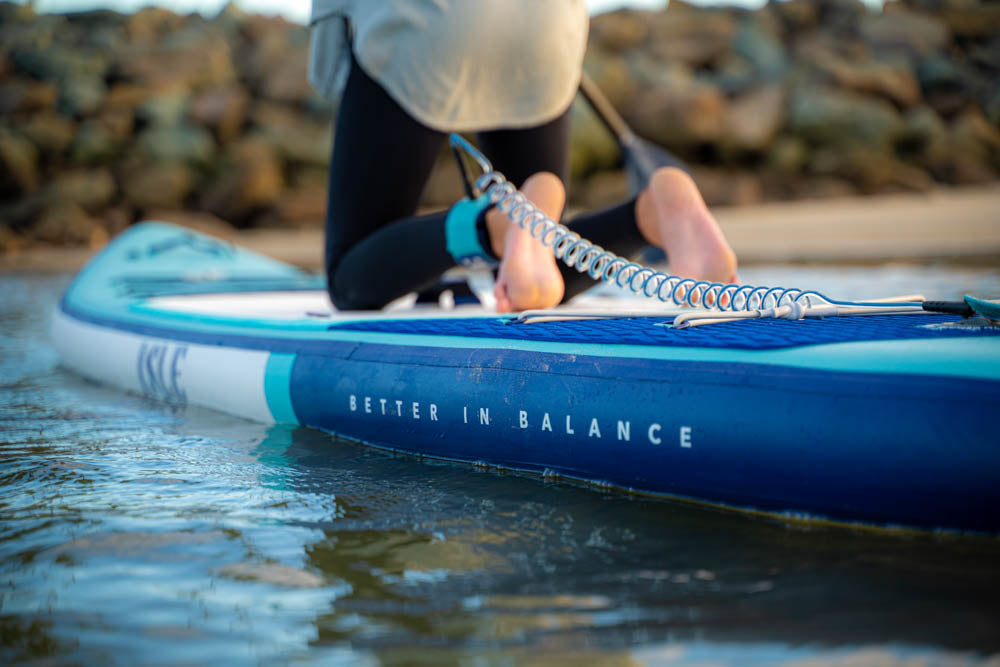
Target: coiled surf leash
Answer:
pixel 697 302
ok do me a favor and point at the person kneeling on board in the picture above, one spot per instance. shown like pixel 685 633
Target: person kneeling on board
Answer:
pixel 405 74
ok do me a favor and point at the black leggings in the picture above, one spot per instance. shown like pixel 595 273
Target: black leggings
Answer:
pixel 376 249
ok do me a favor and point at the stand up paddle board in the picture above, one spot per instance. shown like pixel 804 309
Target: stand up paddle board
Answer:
pixel 878 420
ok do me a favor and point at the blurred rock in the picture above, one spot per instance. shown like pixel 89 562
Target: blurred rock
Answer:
pixel 592 146
pixel 733 76
pixel 992 109
pixel 754 119
pixel 798 15
pixel 11 243
pixel 156 185
pixel 695 38
pixel 986 54
pixel 302 206
pixel 679 118
pixel 973 136
pixel 763 51
pixel 60 63
pixel 276 65
pixel 50 132
pixel 20 95
pixel 840 18
pixel 152 23
pixel 18 163
pixel 231 18
pixel 224 110
pixel 973 20
pixel 164 105
pixel 251 180
pixel 13 12
pixel 890 79
pixel 922 130
pixel 946 84
pixel 115 219
pixel 194 56
pixel 65 223
pixel 186 143
pixel 101 139
pixel 726 187
pixel 788 156
pixel 900 30
pixel 90 189
pixel 128 95
pixel 287 81
pixel 826 187
pixel 870 170
pixel 620 30
pixel 611 74
pixel 295 138
pixel 81 95
pixel 826 116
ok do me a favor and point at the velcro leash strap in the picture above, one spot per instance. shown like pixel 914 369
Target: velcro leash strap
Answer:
pixel 465 232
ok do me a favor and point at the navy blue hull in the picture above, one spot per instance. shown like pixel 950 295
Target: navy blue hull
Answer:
pixel 773 438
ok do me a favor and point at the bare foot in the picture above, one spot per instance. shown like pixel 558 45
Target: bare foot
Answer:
pixel 672 214
pixel 528 277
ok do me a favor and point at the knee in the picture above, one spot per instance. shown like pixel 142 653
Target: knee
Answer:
pixel 346 298
pixel 347 293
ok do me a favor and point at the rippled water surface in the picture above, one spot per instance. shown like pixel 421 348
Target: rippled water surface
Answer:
pixel 133 534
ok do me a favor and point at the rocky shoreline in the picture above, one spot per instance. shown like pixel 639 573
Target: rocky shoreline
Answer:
pixel 108 118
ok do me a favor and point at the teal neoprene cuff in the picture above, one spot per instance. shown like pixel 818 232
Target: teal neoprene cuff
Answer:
pixel 461 232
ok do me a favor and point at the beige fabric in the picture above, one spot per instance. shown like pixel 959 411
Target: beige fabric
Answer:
pixel 456 65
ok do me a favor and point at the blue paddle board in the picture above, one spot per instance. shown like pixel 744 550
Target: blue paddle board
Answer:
pixel 880 421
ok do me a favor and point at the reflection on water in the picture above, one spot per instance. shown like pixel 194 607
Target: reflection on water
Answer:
pixel 131 533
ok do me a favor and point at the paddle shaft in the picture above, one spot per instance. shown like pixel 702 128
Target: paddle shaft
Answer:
pixel 606 111
pixel 641 157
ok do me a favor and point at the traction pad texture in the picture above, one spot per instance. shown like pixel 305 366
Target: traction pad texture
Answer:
pixel 763 334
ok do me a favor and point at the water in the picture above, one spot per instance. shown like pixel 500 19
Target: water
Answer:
pixel 133 534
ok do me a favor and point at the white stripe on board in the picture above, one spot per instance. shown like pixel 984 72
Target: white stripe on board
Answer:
pixel 226 379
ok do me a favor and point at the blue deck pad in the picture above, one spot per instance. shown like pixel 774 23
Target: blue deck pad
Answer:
pixel 762 334
pixel 767 438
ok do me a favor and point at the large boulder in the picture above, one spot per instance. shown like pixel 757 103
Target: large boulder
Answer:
pixel 691 36
pixel 149 185
pixel 250 180
pixel 186 143
pixel 754 119
pixel 50 132
pixel 680 117
pixel 223 110
pixel 18 163
pixel 298 140
pixel 831 117
pixel 101 139
pixel 903 31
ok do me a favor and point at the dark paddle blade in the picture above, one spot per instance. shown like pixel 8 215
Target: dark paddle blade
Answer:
pixel 641 157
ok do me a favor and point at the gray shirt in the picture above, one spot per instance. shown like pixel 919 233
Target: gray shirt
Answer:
pixel 456 65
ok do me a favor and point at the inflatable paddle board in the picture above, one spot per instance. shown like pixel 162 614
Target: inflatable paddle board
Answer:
pixel 878 420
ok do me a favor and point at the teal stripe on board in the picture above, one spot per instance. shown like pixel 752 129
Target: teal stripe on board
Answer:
pixel 277 388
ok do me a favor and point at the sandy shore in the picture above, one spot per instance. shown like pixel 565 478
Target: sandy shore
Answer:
pixel 956 224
